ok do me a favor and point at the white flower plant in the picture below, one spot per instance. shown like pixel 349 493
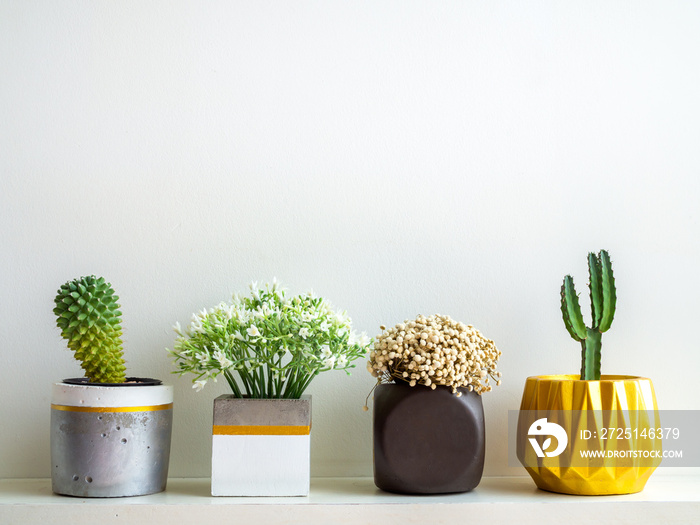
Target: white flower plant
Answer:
pixel 266 345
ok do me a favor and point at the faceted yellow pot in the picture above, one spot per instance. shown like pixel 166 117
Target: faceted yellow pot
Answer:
pixel 614 417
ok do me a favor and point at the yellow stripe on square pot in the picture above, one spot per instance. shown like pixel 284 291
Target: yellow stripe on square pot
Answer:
pixel 261 447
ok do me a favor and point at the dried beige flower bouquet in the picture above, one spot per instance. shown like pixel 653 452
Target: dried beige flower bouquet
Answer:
pixel 435 350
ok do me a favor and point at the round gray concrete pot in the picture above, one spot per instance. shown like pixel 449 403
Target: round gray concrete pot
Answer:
pixel 110 440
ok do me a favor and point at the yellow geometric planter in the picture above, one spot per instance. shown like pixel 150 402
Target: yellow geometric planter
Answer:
pixel 615 417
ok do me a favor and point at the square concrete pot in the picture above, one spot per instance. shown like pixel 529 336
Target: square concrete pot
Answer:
pixel 261 447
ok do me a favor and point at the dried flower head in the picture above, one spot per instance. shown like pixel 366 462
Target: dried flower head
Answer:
pixel 434 351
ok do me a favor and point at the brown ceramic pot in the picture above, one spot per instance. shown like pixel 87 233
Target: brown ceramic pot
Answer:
pixel 427 441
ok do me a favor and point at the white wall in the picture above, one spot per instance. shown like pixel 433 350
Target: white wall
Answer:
pixel 397 157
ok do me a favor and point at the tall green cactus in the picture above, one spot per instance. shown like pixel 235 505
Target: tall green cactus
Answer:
pixel 603 299
pixel 89 318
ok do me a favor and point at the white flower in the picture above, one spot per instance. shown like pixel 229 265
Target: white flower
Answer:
pixel 177 328
pixel 364 339
pixel 199 384
pixel 253 331
pixel 342 361
pixel 329 362
pixel 226 310
pixel 224 361
pixel 264 311
pixel 326 351
pixel 254 289
pixel 203 358
pixel 196 324
pixel 324 326
pixel 267 312
pixel 304 333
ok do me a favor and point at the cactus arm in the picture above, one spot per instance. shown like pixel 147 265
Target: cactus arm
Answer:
pixel 609 293
pixel 596 288
pixel 571 310
pixel 590 356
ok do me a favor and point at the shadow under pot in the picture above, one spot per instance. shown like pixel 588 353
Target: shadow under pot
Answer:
pixel 110 440
pixel 427 441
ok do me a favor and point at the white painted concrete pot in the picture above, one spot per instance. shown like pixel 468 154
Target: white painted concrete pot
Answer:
pixel 261 447
pixel 110 441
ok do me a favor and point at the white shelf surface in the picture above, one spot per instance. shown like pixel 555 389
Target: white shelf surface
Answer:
pixel 668 500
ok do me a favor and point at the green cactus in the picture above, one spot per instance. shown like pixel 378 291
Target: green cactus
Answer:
pixel 603 299
pixel 89 318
